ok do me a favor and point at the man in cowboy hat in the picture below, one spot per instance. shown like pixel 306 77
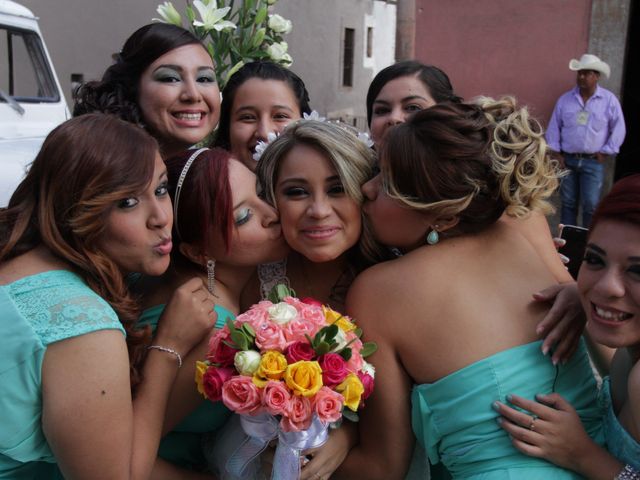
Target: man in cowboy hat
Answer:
pixel 586 127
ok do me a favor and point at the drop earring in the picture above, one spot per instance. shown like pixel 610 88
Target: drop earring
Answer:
pixel 433 237
pixel 211 276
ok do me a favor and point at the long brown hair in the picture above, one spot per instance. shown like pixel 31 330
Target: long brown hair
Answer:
pixel 84 167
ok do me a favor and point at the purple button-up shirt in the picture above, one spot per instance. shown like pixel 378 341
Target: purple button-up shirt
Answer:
pixel 597 126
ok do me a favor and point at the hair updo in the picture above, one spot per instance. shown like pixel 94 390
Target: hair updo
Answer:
pixel 117 92
pixel 473 161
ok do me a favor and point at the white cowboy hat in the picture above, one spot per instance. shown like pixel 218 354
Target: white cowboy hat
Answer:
pixel 590 62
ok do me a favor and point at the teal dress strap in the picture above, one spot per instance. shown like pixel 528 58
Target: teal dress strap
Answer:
pixel 151 316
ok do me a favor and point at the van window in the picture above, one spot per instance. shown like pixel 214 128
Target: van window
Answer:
pixel 24 70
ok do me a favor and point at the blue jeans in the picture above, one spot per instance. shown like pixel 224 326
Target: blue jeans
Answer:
pixel 583 184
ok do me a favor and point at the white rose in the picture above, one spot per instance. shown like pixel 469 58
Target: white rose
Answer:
pixel 247 362
pixel 277 50
pixel 369 369
pixel 282 313
pixel 279 24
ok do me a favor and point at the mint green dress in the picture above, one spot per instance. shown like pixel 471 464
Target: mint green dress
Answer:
pixel 619 442
pixel 455 423
pixel 183 445
pixel 35 312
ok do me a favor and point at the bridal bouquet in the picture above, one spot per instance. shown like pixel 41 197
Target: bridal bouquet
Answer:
pixel 290 368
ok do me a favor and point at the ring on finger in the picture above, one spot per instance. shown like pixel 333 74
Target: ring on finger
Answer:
pixel 532 424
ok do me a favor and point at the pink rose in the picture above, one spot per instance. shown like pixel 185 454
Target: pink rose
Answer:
pixel 367 382
pixel 299 351
pixel 241 395
pixel 276 398
pixel 311 314
pixel 297 329
pixel 334 369
pixel 311 301
pixel 327 405
pixel 355 363
pixel 219 352
pixel 256 316
pixel 270 337
pixel 299 416
pixel 213 380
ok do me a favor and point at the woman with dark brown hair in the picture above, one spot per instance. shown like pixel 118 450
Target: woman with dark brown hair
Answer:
pixel 93 208
pixel 463 326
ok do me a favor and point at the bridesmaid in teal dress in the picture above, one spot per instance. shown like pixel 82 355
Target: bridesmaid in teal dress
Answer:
pixel 222 231
pixel 91 209
pixel 609 286
pixel 453 317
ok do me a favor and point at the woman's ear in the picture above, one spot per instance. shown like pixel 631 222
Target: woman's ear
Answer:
pixel 446 223
pixel 192 253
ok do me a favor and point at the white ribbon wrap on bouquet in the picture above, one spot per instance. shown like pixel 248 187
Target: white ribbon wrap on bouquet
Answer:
pixel 260 430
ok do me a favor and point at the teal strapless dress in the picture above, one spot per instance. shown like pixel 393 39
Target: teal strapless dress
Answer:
pixel 182 446
pixel 454 421
pixel 35 312
pixel 619 443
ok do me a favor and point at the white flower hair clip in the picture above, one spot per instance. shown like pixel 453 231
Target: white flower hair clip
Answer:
pixel 261 146
pixel 313 116
pixel 365 138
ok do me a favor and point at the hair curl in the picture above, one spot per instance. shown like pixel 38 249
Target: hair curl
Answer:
pixel 117 92
pixel 473 161
pixel 65 199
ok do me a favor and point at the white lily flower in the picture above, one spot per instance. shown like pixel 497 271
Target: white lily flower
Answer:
pixel 168 14
pixel 279 24
pixel 277 51
pixel 212 17
pixel 313 116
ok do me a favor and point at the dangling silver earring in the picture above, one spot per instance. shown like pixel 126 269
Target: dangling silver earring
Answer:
pixel 211 276
pixel 433 237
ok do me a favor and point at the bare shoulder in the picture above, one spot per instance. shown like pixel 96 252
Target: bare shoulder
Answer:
pixel 33 262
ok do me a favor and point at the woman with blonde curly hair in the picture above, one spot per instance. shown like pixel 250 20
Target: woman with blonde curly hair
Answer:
pixel 463 329
pixel 92 209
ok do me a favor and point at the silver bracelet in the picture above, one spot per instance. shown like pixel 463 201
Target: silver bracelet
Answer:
pixel 628 473
pixel 167 350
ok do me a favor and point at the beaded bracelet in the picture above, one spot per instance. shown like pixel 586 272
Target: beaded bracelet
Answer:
pixel 167 350
pixel 628 473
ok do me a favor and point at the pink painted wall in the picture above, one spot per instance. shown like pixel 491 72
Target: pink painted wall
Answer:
pixel 494 47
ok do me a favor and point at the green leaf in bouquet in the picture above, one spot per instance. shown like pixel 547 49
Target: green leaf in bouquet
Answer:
pixel 258 38
pixel 190 15
pixel 350 415
pixel 322 348
pixel 368 348
pixel 261 15
pixel 346 354
pixel 240 339
pixel 329 332
pixel 248 329
pixel 279 292
pixel 358 332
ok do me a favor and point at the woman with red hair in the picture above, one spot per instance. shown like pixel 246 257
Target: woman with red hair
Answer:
pixel 609 287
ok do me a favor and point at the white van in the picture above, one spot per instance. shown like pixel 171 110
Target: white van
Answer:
pixel 31 100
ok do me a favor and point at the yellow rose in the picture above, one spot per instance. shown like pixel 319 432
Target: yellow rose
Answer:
pixel 272 365
pixel 304 378
pixel 201 367
pixel 343 322
pixel 351 389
